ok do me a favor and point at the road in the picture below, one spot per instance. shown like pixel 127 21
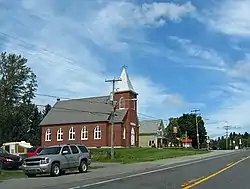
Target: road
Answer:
pixel 199 171
pixel 229 172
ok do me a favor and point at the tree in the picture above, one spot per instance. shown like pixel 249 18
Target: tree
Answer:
pixel 169 132
pixel 46 110
pixel 17 87
pixel 187 123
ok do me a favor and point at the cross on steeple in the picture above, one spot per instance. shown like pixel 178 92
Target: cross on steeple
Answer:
pixel 124 66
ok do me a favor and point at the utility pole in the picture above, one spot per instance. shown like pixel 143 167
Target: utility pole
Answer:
pixel 227 128
pixel 197 127
pixel 113 81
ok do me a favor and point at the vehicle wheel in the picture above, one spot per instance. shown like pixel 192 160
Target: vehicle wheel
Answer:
pixel 83 168
pixel 55 170
pixel 1 166
pixel 30 175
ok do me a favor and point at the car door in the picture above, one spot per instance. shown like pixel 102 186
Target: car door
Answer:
pixel 75 155
pixel 66 158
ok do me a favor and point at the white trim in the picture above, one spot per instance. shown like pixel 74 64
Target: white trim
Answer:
pixel 124 133
pixel 133 138
pixel 72 132
pixel 96 131
pixel 59 133
pixel 133 124
pixel 48 135
pixel 122 98
pixel 84 133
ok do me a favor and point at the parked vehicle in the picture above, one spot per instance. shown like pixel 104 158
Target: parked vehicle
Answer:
pixel 9 161
pixel 55 160
pixel 33 151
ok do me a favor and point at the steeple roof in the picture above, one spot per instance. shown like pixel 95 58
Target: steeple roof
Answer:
pixel 125 83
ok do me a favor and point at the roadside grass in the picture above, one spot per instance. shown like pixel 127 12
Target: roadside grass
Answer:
pixel 132 155
pixel 8 174
pixel 11 174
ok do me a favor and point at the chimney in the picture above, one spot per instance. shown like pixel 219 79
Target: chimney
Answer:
pixel 58 99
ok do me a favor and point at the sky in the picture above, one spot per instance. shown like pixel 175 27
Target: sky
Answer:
pixel 179 54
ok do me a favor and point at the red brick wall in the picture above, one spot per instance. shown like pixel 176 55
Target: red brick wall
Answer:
pixel 91 142
pixel 130 118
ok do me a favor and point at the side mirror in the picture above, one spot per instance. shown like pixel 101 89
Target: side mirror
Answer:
pixel 65 152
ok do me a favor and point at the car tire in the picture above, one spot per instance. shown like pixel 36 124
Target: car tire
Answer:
pixel 30 175
pixel 55 170
pixel 83 168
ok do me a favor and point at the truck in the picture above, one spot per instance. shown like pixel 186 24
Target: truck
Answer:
pixel 56 160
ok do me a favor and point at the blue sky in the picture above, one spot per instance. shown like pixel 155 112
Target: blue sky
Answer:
pixel 180 54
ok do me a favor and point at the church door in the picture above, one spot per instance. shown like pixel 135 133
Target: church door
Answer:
pixel 132 136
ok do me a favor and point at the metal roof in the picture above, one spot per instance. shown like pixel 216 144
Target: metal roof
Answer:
pixel 94 109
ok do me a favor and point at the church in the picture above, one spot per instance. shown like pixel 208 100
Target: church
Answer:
pixel 87 120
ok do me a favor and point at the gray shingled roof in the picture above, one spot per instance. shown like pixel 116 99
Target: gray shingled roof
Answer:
pixel 149 126
pixel 95 109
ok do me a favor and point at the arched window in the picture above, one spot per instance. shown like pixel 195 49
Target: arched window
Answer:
pixel 121 103
pixel 60 134
pixel 124 133
pixel 72 133
pixel 132 136
pixel 97 132
pixel 48 135
pixel 84 133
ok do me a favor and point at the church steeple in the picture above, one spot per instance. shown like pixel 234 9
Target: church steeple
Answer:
pixel 125 83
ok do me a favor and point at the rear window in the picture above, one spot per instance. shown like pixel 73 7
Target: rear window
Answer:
pixel 32 149
pixel 83 149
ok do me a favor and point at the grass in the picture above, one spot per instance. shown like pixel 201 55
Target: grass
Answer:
pixel 7 174
pixel 131 155
pixel 10 174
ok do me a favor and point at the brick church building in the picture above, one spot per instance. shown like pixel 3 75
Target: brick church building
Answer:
pixel 87 120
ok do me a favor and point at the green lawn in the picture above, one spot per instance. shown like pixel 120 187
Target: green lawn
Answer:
pixel 10 174
pixel 7 174
pixel 130 155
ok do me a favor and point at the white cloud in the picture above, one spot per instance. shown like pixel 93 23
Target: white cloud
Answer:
pixel 210 58
pixel 230 17
pixel 109 25
pixel 71 67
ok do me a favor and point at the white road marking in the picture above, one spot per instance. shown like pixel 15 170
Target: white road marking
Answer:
pixel 147 172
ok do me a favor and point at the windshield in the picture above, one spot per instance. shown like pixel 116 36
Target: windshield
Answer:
pixel 2 151
pixel 50 151
pixel 33 149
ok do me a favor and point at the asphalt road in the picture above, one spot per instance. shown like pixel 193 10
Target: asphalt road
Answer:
pixel 225 172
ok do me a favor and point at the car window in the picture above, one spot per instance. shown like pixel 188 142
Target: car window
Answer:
pixel 51 150
pixel 83 149
pixel 74 149
pixel 66 148
pixel 39 150
pixel 2 151
pixel 32 149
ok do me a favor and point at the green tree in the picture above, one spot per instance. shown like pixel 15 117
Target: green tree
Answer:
pixel 187 123
pixel 46 110
pixel 17 87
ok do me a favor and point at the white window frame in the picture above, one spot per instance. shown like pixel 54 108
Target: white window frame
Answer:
pixel 120 101
pixel 72 133
pixel 84 133
pixel 133 104
pixel 48 135
pixel 124 133
pixel 97 133
pixel 59 135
